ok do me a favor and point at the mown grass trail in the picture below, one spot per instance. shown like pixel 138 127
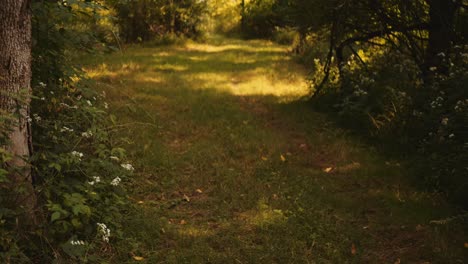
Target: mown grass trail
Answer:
pixel 233 169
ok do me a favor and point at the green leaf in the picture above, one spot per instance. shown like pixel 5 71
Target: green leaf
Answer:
pixel 76 222
pixel 55 216
pixel 56 166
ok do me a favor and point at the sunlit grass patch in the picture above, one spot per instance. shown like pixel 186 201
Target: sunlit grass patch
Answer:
pixel 264 215
pixel 238 69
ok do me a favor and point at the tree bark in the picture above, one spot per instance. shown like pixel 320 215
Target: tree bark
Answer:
pixel 15 91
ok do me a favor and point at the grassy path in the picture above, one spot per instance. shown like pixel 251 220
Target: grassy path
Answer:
pixel 231 169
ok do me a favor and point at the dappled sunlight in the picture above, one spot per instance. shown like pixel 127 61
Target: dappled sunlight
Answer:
pixel 263 85
pixel 237 68
pixel 193 231
pixel 169 68
pixel 104 70
pixel 151 79
pixel 264 215
pixel 263 46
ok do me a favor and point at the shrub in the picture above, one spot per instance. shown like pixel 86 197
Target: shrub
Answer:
pixel 78 167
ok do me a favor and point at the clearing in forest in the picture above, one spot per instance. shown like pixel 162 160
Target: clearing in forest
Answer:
pixel 233 168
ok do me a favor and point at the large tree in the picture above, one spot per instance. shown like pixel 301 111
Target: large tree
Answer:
pixel 15 90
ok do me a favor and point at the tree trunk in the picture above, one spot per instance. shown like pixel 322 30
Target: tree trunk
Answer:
pixel 15 91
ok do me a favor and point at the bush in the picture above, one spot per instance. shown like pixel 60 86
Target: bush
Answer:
pixel 381 94
pixel 78 167
pixel 144 20
pixel 259 19
pixel 285 36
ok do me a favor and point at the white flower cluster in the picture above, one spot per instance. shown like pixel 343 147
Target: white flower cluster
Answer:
pixel 461 105
pixel 77 154
pixel 437 102
pixel 37 117
pixel 77 242
pixel 444 121
pixel 127 166
pixel 104 231
pixel 360 92
pixel 116 181
pixel 96 179
pixel 66 129
pixel 87 134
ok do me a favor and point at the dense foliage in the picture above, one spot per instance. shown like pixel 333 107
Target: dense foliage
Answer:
pixel 395 70
pixel 77 166
pixel 145 20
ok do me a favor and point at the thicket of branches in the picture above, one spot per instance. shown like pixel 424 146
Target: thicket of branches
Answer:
pixel 395 70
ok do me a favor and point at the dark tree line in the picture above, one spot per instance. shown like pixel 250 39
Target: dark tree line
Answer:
pixel 143 20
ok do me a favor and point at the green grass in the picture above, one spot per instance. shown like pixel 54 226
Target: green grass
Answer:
pixel 232 167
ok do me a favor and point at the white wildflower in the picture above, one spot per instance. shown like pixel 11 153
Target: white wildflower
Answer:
pixel 87 134
pixel 42 98
pixel 96 179
pixel 444 121
pixel 127 166
pixel 106 105
pixel 37 117
pixel 114 158
pixel 433 68
pixel 66 129
pixel 77 242
pixel 89 102
pixel 77 154
pixel 451 135
pixel 104 231
pixel 43 85
pixel 360 92
pixel 116 181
